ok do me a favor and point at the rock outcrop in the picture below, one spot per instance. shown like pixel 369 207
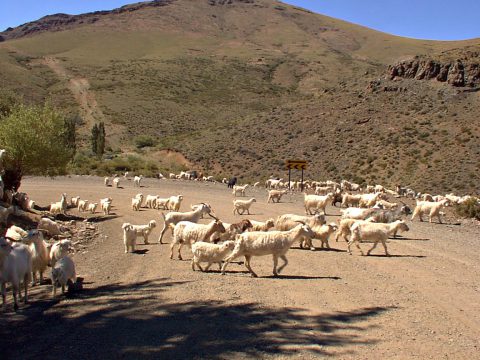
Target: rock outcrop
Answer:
pixel 458 73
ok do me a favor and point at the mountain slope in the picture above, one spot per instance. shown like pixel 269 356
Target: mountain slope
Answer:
pixel 239 86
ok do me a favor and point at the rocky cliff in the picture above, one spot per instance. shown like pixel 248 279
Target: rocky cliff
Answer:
pixel 458 72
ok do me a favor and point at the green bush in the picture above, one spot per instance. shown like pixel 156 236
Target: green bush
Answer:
pixel 144 141
pixel 36 143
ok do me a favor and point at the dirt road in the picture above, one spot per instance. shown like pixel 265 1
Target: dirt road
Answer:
pixel 423 302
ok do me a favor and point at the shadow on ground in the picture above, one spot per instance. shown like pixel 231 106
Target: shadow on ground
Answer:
pixel 132 321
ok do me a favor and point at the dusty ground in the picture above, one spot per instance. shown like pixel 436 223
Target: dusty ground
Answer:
pixel 423 302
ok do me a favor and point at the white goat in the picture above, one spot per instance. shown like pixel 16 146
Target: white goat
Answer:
pixel 430 208
pixel 137 180
pixel 15 267
pixel 322 233
pixel 59 250
pixel 82 205
pixel 131 232
pixel 106 206
pixel 174 218
pixel 356 213
pixel 50 226
pixel 275 243
pixel 92 207
pixel 188 233
pixel 62 272
pixel 210 253
pixel 386 204
pixel 151 201
pixel 273 183
pixel 137 203
pixel 317 203
pixel 376 232
pixel 276 195
pixel 174 202
pixel 239 189
pixel 262 225
pixel 344 229
pixel 74 201
pixel 59 207
pixel 16 233
pixel 289 221
pixel 40 255
pixel 161 203
pixel 350 200
pixel 242 205
pixel 106 181
pixel 369 200
pixel 116 182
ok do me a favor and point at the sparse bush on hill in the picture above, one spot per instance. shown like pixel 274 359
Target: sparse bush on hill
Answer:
pixel 144 141
pixel 84 163
pixel 469 209
pixel 8 100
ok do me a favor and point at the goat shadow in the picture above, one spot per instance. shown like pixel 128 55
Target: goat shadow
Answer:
pixel 301 277
pixel 402 238
pixel 396 256
pixel 140 251
pixel 330 249
pixel 102 218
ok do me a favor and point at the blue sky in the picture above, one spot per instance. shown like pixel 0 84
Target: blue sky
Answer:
pixel 424 19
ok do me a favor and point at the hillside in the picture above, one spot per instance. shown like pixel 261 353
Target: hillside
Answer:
pixel 237 87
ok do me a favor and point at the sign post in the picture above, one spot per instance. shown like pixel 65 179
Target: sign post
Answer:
pixel 298 165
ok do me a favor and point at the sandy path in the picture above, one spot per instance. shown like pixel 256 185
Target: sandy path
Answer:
pixel 80 88
pixel 422 302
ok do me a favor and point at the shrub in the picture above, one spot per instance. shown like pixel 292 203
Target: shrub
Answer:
pixel 469 209
pixel 36 142
pixel 144 141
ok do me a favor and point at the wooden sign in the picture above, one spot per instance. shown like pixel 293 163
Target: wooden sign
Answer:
pixel 296 164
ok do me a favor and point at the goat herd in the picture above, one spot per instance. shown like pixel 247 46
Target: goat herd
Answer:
pixel 367 216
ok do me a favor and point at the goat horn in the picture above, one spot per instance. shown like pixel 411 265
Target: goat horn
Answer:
pixel 213 217
pixel 301 222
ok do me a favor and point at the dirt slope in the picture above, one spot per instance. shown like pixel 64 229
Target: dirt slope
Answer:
pixel 239 86
pixel 421 302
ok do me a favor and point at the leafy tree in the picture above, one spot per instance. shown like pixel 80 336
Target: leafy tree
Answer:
pixel 34 138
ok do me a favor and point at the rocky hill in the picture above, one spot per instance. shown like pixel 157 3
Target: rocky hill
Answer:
pixel 237 87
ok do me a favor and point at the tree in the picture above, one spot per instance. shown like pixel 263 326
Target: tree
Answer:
pixel 35 141
pixel 70 131
pixel 101 139
pixel 98 139
pixel 94 138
